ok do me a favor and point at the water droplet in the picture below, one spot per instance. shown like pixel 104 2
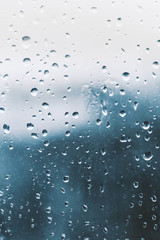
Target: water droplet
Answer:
pixel 67 133
pixel 122 92
pixel 6 128
pixel 34 92
pixel 126 76
pixel 30 126
pixel 45 105
pixel 122 113
pixel 26 61
pixel 55 66
pixel 145 125
pixel 2 110
pixel 75 114
pixel 154 198
pixel 26 38
pixel 158 43
pixel 48 210
pixel 66 179
pixel 104 68
pixel 156 65
pixel 1 193
pixel 147 156
pixel 44 132
pixel 34 135
pixel 98 121
pixel 104 111
pixel 135 105
pixel 84 207
pixel 136 184
pixel 105 230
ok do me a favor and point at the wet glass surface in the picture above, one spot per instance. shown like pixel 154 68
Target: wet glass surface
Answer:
pixel 79 120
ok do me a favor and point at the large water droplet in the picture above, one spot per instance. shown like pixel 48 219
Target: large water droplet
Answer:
pixel 34 92
pixel 6 128
pixel 2 110
pixel 126 76
pixel 30 126
pixel 156 65
pixel 145 125
pixel 26 38
pixel 45 105
pixel 75 114
pixel 147 156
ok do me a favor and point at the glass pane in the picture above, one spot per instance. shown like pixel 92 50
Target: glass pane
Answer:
pixel 79 120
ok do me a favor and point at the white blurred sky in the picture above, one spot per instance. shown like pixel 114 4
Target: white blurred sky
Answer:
pixel 90 24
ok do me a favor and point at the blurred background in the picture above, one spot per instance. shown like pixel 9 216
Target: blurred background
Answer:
pixel 79 120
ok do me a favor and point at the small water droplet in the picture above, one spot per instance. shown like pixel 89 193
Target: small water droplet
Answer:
pixel 1 193
pixel 55 66
pixel 136 184
pixel 135 105
pixel 45 105
pixel 122 92
pixel 84 207
pixel 105 230
pixel 98 121
pixel 122 113
pixel 48 210
pixel 66 179
pixel 34 92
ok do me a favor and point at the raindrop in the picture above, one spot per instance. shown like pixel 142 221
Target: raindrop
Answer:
pixel 126 76
pixel 105 230
pixel 34 92
pixel 147 156
pixel 136 184
pixel 2 110
pixel 6 128
pixel 75 114
pixel 98 121
pixel 135 105
pixel 45 105
pixel 122 113
pixel 66 179
pixel 30 126
pixel 145 125
pixel 34 135
pixel 1 193
pixel 67 133
pixel 84 207
pixel 26 60
pixel 26 38
pixel 156 65
pixel 44 132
